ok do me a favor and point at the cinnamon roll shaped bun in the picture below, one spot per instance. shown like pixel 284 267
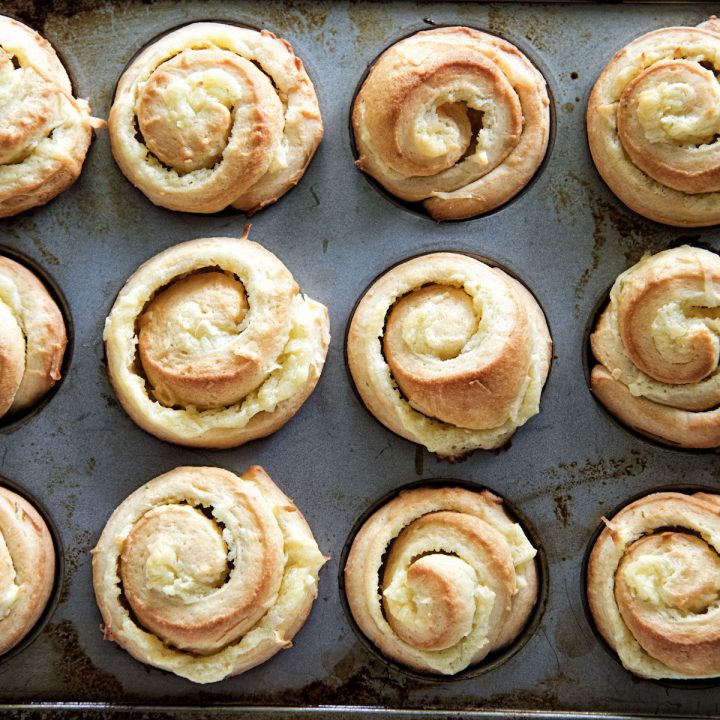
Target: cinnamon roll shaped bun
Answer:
pixel 459 580
pixel 654 592
pixel 658 347
pixel 449 353
pixel 204 573
pixel 454 118
pixel 44 131
pixel 27 568
pixel 32 339
pixel 211 344
pixel 212 115
pixel 654 121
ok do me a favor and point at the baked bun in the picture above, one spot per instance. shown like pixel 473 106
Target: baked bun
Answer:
pixel 204 573
pixel 439 577
pixel 32 339
pixel 653 125
pixel 27 568
pixel 449 353
pixel 44 131
pixel 653 585
pixel 211 344
pixel 454 118
pixel 658 343
pixel 212 115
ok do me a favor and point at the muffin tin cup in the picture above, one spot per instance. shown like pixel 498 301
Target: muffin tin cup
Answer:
pixel 229 211
pixel 589 361
pixel 495 659
pixel 416 208
pixel 10 423
pixel 54 598
pixel 476 256
pixel 687 489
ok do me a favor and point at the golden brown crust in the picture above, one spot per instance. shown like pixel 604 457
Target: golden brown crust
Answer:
pixel 467 346
pixel 219 572
pixel 459 579
pixel 658 344
pixel 452 117
pixel 223 378
pixel 655 594
pixel 44 131
pixel 27 568
pixel 33 339
pixel 227 116
pixel 653 125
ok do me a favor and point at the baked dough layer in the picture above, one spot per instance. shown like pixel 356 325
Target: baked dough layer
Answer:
pixel 449 353
pixel 212 115
pixel 32 339
pixel 458 581
pixel 204 573
pixel 44 131
pixel 658 347
pixel 454 118
pixel 27 568
pixel 655 594
pixel 237 382
pixel 653 125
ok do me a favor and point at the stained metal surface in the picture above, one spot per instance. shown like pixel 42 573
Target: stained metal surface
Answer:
pixel 567 237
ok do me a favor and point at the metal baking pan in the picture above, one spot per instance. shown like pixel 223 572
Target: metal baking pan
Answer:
pixel 567 237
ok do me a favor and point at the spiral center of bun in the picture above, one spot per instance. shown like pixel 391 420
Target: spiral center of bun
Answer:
pixel 174 566
pixel 186 109
pixel 186 342
pixel 667 309
pixel 432 607
pixel 436 320
pixel 678 102
pixel 673 571
pixel 28 107
pixel 668 121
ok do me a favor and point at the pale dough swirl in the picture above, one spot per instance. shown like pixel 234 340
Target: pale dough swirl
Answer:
pixel 27 568
pixel 44 131
pixel 449 353
pixel 658 345
pixel 454 118
pixel 204 573
pixel 32 339
pixel 213 115
pixel 653 124
pixel 654 592
pixel 211 344
pixel 459 580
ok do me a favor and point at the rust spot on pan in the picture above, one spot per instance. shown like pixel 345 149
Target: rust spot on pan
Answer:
pixel 75 671
pixel 611 223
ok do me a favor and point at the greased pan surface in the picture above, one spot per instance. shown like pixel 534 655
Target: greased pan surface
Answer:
pixel 567 237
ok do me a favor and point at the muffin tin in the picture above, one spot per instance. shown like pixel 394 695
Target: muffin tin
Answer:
pixel 566 236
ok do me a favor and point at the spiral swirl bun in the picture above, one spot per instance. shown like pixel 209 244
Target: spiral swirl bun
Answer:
pixel 213 115
pixel 44 131
pixel 449 353
pixel 27 568
pixel 32 339
pixel 658 345
pixel 211 344
pixel 653 125
pixel 204 573
pixel 654 593
pixel 459 580
pixel 452 117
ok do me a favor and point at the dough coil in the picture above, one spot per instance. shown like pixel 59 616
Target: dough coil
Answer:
pixel 204 573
